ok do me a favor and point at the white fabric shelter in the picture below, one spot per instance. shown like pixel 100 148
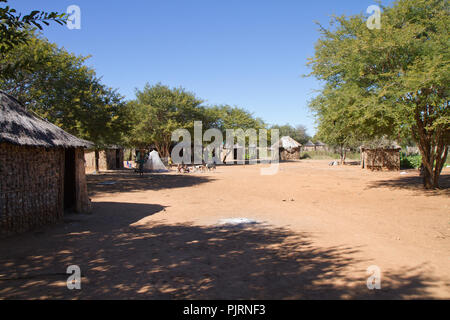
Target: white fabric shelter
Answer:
pixel 154 163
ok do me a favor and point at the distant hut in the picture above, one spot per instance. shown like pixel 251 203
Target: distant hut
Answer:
pixel 309 146
pixel 289 149
pixel 320 146
pixel 381 156
pixel 41 170
pixel 110 158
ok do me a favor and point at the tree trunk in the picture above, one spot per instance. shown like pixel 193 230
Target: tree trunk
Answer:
pixel 97 156
pixel 163 149
pixel 433 149
pixel 427 180
pixel 343 155
pixel 440 161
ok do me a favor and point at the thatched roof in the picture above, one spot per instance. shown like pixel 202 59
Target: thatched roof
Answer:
pixel 108 147
pixel 286 143
pixel 20 127
pixel 309 144
pixel 381 143
pixel 320 144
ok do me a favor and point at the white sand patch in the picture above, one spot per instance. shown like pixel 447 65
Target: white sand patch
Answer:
pixel 237 221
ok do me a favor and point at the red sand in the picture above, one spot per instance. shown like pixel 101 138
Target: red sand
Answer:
pixel 320 227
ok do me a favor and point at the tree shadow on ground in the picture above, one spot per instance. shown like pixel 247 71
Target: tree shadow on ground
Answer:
pixel 352 163
pixel 414 182
pixel 120 259
pixel 128 181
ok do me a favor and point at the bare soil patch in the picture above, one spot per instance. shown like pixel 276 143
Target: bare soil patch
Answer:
pixel 317 230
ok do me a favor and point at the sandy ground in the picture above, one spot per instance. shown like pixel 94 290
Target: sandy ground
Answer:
pixel 318 230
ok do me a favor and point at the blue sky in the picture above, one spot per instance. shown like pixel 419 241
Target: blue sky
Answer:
pixel 247 53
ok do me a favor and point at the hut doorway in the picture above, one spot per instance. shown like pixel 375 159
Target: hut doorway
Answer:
pixel 118 166
pixel 69 179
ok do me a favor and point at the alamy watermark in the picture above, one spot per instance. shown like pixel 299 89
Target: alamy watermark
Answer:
pixel 374 280
pixel 74 19
pixel 74 280
pixel 233 150
pixel 374 20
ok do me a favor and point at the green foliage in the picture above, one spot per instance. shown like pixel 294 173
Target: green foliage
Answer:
pixel 390 82
pixel 226 117
pixel 322 155
pixel 410 162
pixel 304 155
pixel 158 111
pixel 13 25
pixel 298 133
pixel 59 86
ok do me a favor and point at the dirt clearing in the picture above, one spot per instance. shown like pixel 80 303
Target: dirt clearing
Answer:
pixel 313 231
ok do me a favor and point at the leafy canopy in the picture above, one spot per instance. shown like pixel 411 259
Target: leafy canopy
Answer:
pixel 13 25
pixel 58 86
pixel 389 82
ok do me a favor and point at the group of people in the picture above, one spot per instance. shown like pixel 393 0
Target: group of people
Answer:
pixel 183 168
pixel 152 162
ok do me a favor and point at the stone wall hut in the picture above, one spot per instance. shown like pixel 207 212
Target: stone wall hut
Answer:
pixel 381 157
pixel 41 170
pixel 110 158
pixel 289 149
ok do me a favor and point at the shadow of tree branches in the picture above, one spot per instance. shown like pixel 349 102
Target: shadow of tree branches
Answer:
pixel 414 182
pixel 120 259
pixel 128 181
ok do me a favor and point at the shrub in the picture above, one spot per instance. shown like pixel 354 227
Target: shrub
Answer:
pixel 305 155
pixel 410 162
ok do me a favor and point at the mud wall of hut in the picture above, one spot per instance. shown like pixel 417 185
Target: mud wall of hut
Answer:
pixel 31 187
pixel 380 159
pixel 286 155
pixel 107 160
pixel 83 203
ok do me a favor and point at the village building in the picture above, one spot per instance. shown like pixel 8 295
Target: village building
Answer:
pixel 111 158
pixel 309 146
pixel 41 170
pixel 381 157
pixel 320 146
pixel 288 148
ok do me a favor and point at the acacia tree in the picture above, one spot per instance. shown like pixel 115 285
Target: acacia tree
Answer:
pixel 158 111
pixel 298 133
pixel 224 117
pixel 388 81
pixel 15 28
pixel 338 126
pixel 58 86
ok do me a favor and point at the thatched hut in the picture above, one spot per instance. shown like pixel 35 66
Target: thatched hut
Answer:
pixel 381 158
pixel 110 158
pixel 41 170
pixel 320 146
pixel 289 149
pixel 309 146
